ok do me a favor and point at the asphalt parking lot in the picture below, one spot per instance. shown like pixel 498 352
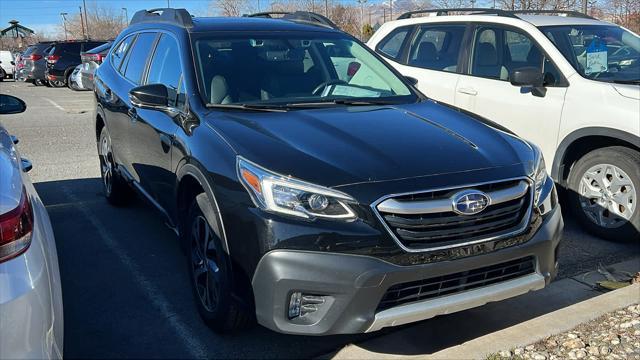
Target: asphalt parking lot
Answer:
pixel 125 285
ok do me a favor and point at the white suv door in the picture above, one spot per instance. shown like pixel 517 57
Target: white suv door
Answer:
pixel 427 51
pixel 497 50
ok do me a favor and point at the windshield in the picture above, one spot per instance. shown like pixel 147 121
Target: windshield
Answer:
pixel 599 52
pixel 289 68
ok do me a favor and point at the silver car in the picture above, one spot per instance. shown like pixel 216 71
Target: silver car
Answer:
pixel 31 321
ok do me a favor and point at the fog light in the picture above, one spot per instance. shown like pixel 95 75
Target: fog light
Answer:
pixel 302 304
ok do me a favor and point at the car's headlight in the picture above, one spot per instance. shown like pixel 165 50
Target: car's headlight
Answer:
pixel 545 197
pixel 284 195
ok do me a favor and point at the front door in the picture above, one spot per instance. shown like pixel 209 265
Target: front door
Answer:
pixel 485 88
pixel 152 131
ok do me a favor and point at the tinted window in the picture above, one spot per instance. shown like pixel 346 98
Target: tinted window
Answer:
pixel 437 47
pixel 497 52
pixel 391 46
pixel 138 56
pixel 119 53
pixel 165 67
pixel 99 49
pixel 71 47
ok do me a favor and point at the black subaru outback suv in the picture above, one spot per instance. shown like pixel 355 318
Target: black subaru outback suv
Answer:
pixel 312 187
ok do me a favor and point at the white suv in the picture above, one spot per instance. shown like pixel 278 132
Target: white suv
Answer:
pixel 566 81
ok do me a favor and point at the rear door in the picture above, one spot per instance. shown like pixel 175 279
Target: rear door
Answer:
pixel 496 51
pixel 152 132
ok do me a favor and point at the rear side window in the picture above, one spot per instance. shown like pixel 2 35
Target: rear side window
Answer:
pixel 391 46
pixel 137 58
pixel 437 47
pixel 73 48
pixel 165 67
pixel 119 53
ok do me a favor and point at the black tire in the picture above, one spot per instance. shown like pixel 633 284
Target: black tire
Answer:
pixel 2 75
pixel 115 188
pixel 211 276
pixel 57 83
pixel 70 84
pixel 624 159
pixel 47 83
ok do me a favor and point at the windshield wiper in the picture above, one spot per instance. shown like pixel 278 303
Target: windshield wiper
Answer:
pixel 348 102
pixel 248 107
pixel 633 82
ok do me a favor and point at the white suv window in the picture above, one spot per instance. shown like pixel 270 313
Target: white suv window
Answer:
pixel 497 52
pixel 391 46
pixel 437 47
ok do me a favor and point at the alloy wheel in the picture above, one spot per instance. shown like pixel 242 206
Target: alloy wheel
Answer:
pixel 106 163
pixel 608 197
pixel 204 266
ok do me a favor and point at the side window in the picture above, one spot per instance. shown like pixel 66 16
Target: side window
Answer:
pixel 437 47
pixel 137 58
pixel 118 53
pixel 497 52
pixel 391 46
pixel 165 67
pixel 487 59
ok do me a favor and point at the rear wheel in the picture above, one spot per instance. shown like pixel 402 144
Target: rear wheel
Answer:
pixel 604 193
pixel 210 272
pixel 114 186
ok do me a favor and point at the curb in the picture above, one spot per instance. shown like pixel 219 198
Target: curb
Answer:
pixel 541 327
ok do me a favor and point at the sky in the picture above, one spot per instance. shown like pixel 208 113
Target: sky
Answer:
pixel 43 16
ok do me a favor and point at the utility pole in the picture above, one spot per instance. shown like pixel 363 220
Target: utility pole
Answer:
pixel 126 17
pixel 384 15
pixel 86 19
pixel 326 8
pixel 390 10
pixel 64 23
pixel 168 4
pixel 584 6
pixel 362 2
pixel 84 36
pixel 473 4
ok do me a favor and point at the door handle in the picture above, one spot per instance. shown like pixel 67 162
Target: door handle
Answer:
pixel 133 114
pixel 468 91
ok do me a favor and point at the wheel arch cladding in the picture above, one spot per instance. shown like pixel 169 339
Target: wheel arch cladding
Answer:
pixel 580 142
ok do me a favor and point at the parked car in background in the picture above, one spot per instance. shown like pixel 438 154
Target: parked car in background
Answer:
pixel 7 64
pixel 91 60
pixel 317 200
pixel 75 81
pixel 31 318
pixel 35 63
pixel 563 80
pixel 63 57
pixel 19 66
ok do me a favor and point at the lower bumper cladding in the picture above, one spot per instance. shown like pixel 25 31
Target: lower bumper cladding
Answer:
pixel 315 293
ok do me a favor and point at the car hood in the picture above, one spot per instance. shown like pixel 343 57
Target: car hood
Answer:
pixel 346 145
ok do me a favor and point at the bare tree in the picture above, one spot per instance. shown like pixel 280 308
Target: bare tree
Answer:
pixel 230 7
pixel 103 23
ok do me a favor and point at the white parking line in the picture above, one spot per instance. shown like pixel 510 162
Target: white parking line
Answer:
pixel 157 299
pixel 54 104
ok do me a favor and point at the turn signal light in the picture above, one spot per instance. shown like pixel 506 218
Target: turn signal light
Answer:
pixel 16 227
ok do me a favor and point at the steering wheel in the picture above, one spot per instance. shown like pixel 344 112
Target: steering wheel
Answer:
pixel 326 84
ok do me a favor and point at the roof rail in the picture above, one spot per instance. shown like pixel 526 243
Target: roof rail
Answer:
pixel 180 17
pixel 297 16
pixel 442 12
pixel 569 13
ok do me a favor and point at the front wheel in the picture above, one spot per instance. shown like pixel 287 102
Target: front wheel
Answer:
pixel 604 186
pixel 210 272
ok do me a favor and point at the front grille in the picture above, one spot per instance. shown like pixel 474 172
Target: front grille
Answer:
pixel 454 283
pixel 425 221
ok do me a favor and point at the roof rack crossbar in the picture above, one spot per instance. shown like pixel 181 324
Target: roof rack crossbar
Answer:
pixel 570 13
pixel 441 12
pixel 297 16
pixel 180 17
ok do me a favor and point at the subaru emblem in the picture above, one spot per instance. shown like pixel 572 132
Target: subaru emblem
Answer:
pixel 470 202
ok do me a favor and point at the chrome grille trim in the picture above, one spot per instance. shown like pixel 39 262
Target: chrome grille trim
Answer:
pixel 518 230
pixel 444 205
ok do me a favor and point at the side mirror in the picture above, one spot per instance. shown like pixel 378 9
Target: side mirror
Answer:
pixel 11 105
pixel 527 76
pixel 413 81
pixel 151 96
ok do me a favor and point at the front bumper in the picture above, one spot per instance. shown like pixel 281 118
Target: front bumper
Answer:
pixel 353 285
